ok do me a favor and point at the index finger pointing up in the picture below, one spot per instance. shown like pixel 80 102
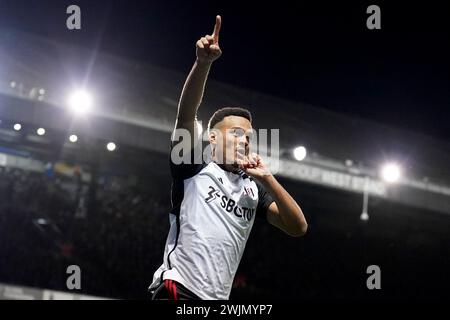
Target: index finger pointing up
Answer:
pixel 217 29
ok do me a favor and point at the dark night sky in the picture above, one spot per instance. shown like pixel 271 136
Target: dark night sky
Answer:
pixel 321 54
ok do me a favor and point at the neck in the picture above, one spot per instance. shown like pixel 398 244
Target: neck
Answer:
pixel 227 167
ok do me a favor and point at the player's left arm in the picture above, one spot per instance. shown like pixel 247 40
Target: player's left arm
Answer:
pixel 284 212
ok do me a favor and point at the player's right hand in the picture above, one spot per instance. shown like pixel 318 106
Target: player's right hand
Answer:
pixel 208 48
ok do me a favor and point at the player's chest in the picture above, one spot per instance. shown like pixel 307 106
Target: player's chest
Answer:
pixel 238 197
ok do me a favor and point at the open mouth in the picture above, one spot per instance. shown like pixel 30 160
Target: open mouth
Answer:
pixel 240 152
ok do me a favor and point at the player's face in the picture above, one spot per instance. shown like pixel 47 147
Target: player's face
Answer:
pixel 233 138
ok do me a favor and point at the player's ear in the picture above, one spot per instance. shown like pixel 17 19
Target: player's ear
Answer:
pixel 212 135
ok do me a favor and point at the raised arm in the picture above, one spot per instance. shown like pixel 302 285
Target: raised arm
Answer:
pixel 207 51
pixel 284 212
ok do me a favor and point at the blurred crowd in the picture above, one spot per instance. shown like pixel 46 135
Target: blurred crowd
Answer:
pixel 116 236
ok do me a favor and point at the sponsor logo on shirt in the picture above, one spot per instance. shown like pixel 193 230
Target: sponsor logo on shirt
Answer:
pixel 229 205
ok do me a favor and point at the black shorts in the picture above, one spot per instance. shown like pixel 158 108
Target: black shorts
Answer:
pixel 172 290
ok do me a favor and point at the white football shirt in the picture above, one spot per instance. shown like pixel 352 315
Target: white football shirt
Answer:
pixel 212 215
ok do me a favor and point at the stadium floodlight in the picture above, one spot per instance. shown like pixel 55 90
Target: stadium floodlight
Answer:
pixel 80 101
pixel 364 216
pixel 40 131
pixel 300 153
pixel 111 146
pixel 17 126
pixel 41 221
pixel 73 138
pixel 390 172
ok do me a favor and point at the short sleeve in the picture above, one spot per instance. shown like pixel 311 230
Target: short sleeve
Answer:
pixel 185 169
pixel 264 201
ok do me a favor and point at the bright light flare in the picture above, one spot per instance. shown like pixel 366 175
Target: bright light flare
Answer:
pixel 111 146
pixel 391 172
pixel 80 101
pixel 300 153
pixel 73 138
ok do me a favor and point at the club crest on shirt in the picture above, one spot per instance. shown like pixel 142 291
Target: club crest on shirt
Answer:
pixel 248 191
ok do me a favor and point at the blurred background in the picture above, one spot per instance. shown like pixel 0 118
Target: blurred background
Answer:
pixel 85 123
